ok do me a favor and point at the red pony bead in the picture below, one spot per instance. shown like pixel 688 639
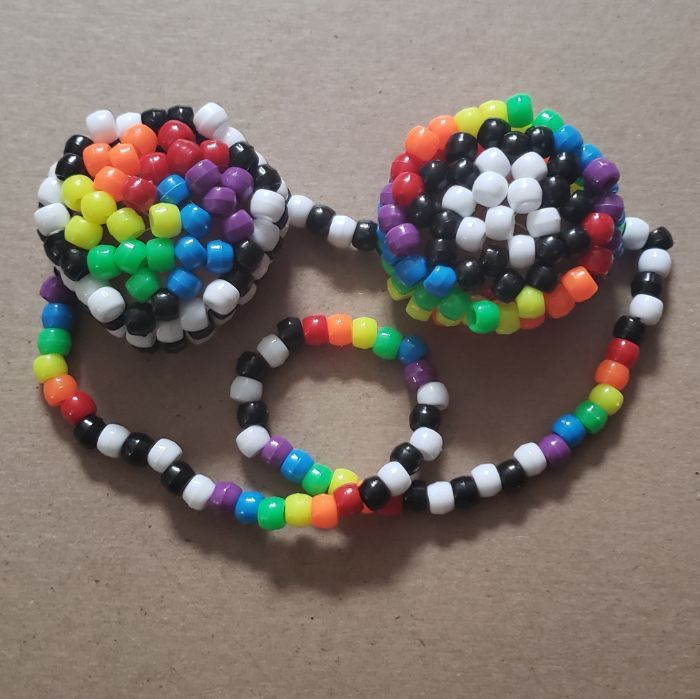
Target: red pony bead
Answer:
pixel 216 151
pixel 597 261
pixel 154 167
pixel 139 193
pixel 404 162
pixel 78 406
pixel 171 131
pixel 622 351
pixel 182 155
pixel 600 228
pixel 315 330
pixel 406 187
pixel 348 500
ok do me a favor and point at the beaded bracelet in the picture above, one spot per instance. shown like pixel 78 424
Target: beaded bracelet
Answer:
pixel 338 330
pixel 195 211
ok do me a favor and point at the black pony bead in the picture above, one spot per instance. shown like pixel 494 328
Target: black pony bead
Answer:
pixel 470 276
pixel 542 277
pixel 629 328
pixel 659 238
pixel 176 477
pixel 491 132
pixel 88 430
pixel 374 493
pixel 421 211
pixel 575 240
pixel 408 456
pixel 248 255
pixel 243 155
pixel 174 347
pixel 136 447
pixel 549 249
pixel 541 140
pixel 576 207
pixel 182 113
pixel 463 172
pixel 512 474
pixel 555 191
pixel 54 247
pixel 69 164
pixel 140 319
pixel 460 145
pixel 515 144
pixel 115 324
pixel 252 365
pixel 507 286
pixel 416 497
pixel 464 490
pixel 564 164
pixel 74 263
pixel 319 221
pixel 266 177
pixel 77 143
pixel 441 251
pixel 365 236
pixel 254 412
pixel 165 305
pixel 647 283
pixel 445 224
pixel 291 332
pixel 241 278
pixel 154 118
pixel 424 415
pixel 435 176
pixel 493 260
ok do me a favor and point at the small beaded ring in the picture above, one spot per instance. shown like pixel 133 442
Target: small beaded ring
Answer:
pixel 194 212
pixel 338 330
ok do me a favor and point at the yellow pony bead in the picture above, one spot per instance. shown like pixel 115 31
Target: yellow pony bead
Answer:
pixel 74 188
pixel 509 320
pixel 607 397
pixel 416 312
pixel 165 220
pixel 125 224
pixel 530 302
pixel 342 476
pixel 97 207
pixel 494 109
pixel 394 293
pixel 364 332
pixel 49 366
pixel 470 120
pixel 444 321
pixel 83 233
pixel 297 510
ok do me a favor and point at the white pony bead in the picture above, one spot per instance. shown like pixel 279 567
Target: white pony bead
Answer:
pixel 521 251
pixel 228 135
pixel 500 223
pixel 490 189
pixel 531 458
pixel 273 350
pixel 428 442
pixel 221 296
pixel 647 308
pixel 85 287
pixel 341 231
pixel 433 393
pixel 49 191
pixel 524 195
pixel 487 479
pixel 244 389
pixel 267 204
pixel 101 126
pixel 529 165
pixel 51 218
pixel 251 440
pixel 471 233
pixel 193 316
pixel 261 270
pixel 111 440
pixel 395 478
pixel 126 121
pixel 169 331
pixel 655 260
pixel 209 118
pixel 106 304
pixel 198 491
pixel 636 233
pixel 543 222
pixel 162 454
pixel 265 234
pixel 441 499
pixel 460 200
pixel 493 160
pixel 141 341
pixel 299 208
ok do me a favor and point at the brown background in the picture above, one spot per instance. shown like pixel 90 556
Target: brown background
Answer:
pixel 582 585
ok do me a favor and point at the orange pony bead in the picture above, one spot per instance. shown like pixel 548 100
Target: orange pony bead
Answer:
pixel 111 180
pixel 579 283
pixel 95 157
pixel 531 323
pixel 142 137
pixel 125 157
pixel 59 388
pixel 558 303
pixel 422 143
pixel 324 511
pixel 443 126
pixel 612 373
pixel 339 329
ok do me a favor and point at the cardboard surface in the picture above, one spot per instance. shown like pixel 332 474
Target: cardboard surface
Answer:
pixel 584 584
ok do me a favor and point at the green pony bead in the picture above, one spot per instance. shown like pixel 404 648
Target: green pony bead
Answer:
pixel 483 316
pixel 591 415
pixel 386 346
pixel 388 269
pixel 549 118
pixel 519 110
pixel 143 284
pixel 271 513
pixel 317 479
pixel 454 305
pixel 101 262
pixel 160 254
pixel 400 286
pixel 424 299
pixel 130 255
pixel 54 341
